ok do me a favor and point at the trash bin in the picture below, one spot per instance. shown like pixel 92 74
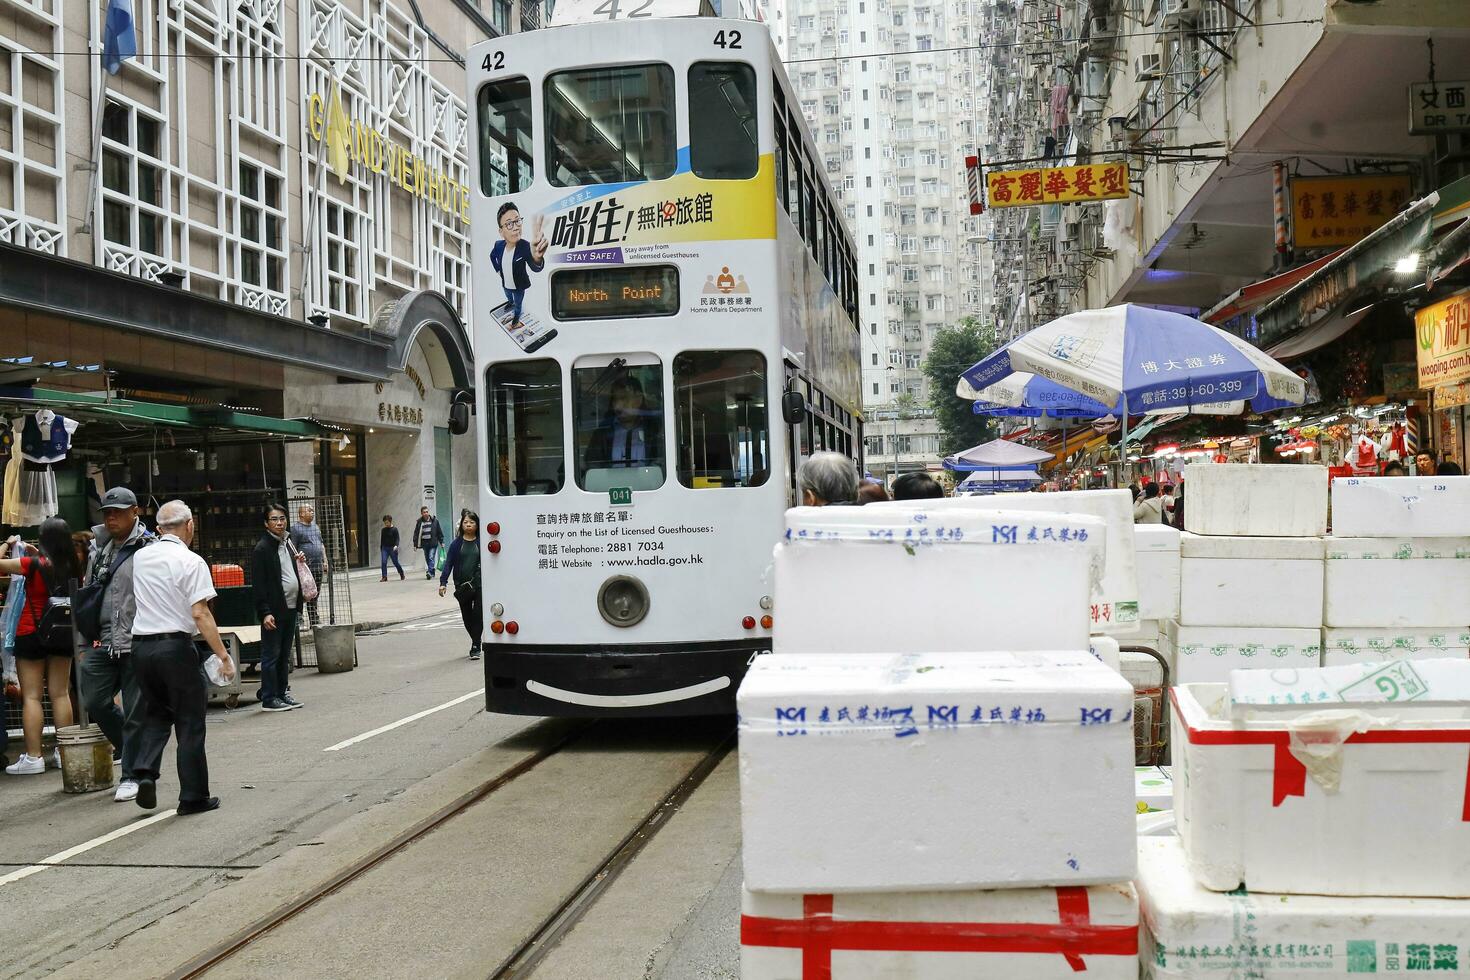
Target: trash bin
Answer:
pixel 336 648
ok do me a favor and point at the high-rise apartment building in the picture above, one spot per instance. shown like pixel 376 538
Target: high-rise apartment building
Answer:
pixel 889 90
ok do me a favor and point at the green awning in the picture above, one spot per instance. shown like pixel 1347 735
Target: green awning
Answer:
pixel 176 416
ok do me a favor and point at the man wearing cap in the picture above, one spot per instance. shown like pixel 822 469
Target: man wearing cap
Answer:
pixel 106 667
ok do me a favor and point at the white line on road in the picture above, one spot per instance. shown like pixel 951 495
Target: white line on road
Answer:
pixel 72 852
pixel 399 723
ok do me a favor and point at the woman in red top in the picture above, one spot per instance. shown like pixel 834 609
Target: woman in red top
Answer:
pixel 41 668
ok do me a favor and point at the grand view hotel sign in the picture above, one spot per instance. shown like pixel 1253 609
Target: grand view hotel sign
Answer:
pixel 351 141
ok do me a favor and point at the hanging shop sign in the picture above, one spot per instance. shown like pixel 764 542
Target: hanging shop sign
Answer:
pixel 1439 107
pixel 353 143
pixel 1399 376
pixel 1056 185
pixel 1443 332
pixel 1331 211
pixel 1451 396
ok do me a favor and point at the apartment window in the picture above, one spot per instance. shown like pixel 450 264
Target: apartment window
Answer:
pixel 875 391
pixel 926 42
pixel 863 37
pixel 875 361
pixel 910 274
pixel 609 125
pixel 932 244
pixel 262 221
pixel 866 124
pixel 506 140
pixel 342 266
pixel 132 179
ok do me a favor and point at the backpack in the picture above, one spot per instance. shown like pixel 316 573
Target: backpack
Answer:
pixel 86 604
pixel 54 631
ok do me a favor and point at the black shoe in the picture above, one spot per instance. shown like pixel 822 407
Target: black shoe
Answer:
pixel 147 797
pixel 291 702
pixel 197 806
pixel 275 704
pixel 401 576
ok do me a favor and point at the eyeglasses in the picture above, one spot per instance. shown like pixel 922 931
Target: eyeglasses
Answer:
pixel 275 520
pixel 512 223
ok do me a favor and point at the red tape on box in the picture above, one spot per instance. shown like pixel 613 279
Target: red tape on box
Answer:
pixel 1290 776
pixel 817 933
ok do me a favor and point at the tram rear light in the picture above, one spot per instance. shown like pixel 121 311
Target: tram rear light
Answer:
pixel 493 527
pixel 748 622
pixel 497 627
pixel 497 610
pixel 494 547
pixel 512 627
pixel 766 622
pixel 766 602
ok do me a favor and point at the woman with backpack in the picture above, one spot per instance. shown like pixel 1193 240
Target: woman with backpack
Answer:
pixel 43 639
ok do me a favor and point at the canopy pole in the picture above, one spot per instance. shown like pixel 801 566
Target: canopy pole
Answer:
pixel 1127 479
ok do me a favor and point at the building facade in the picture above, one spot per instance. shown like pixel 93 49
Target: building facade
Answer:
pixel 889 89
pixel 265 210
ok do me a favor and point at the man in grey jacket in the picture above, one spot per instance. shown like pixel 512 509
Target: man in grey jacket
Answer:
pixel 106 667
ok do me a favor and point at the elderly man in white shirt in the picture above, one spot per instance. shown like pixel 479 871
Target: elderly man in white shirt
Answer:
pixel 172 587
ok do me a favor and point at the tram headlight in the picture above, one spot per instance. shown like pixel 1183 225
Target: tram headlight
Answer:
pixel 497 610
pixel 623 601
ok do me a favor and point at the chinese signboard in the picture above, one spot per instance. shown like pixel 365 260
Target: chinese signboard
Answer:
pixel 1444 341
pixel 1331 211
pixel 1439 107
pixel 1056 185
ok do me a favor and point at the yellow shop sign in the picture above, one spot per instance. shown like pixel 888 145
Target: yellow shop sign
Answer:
pixel 351 141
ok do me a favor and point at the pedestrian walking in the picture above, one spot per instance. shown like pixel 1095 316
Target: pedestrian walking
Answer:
pixel 388 548
pixel 43 638
pixel 172 587
pixel 463 562
pixel 276 589
pixel 105 668
pixel 1150 509
pixel 827 478
pixel 306 535
pixel 428 535
pixel 917 486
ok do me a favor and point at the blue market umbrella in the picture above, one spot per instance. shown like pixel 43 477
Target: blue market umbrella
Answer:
pixel 1027 395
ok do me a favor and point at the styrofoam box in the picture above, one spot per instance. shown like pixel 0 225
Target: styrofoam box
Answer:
pixel 1199 654
pixel 1250 812
pixel 871 579
pixel 1105 649
pixel 926 934
pixel 1283 500
pixel 1442 682
pixel 1241 581
pixel 1191 933
pixel 1114 605
pixel 1398 582
pixel 1401 506
pixel 1146 633
pixel 1364 644
pixel 1153 788
pixel 900 772
pixel 1157 564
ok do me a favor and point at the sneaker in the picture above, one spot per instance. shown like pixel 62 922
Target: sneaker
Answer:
pixel 274 704
pixel 290 701
pixel 53 761
pixel 127 791
pixel 27 765
pixel 474 651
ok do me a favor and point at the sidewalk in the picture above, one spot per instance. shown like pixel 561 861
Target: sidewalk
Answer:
pixel 378 604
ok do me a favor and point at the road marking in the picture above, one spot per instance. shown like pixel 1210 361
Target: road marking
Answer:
pixel 71 852
pixel 399 723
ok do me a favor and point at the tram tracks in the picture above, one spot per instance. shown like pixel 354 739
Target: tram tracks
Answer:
pixel 526 954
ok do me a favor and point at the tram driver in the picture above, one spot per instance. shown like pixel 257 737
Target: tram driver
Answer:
pixel 633 433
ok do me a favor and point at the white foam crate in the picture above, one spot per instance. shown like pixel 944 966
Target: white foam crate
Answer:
pixel 1366 644
pixel 859 773
pixel 1114 604
pixel 1192 933
pixel 1035 933
pixel 1418 583
pixel 1285 500
pixel 1245 581
pixel 870 579
pixel 1401 506
pixel 1202 654
pixel 1157 562
pixel 1249 811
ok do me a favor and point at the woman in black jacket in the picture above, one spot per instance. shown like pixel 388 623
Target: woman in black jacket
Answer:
pixel 276 588
pixel 463 561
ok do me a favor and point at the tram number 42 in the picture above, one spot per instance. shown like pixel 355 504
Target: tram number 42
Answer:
pixel 727 39
pixel 609 9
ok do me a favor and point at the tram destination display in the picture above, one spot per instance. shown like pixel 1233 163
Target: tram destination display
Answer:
pixel 615 292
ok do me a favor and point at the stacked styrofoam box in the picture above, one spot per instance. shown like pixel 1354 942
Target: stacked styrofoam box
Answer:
pixel 1250 565
pixel 1157 562
pixel 1398 567
pixel 876 786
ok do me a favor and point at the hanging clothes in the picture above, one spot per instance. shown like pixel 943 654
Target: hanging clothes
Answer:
pixel 1362 456
pixel 10 499
pixel 45 437
pixel 1398 442
pixel 1060 95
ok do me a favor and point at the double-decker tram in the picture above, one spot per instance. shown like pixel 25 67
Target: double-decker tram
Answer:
pixel 664 323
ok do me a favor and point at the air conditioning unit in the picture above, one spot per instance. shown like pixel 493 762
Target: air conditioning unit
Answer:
pixel 1172 12
pixel 1103 27
pixel 1148 67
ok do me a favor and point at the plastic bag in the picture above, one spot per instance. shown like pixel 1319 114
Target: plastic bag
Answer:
pixel 9 622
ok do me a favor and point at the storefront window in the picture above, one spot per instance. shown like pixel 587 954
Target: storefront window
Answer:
pixel 525 431
pixel 506 139
pixel 619 407
pixel 722 124
pixel 609 125
pixel 720 412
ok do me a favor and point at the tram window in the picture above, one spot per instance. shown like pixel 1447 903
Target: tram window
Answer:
pixel 793 171
pixel 506 141
pixel 609 125
pixel 721 420
pixel 819 244
pixel 780 156
pixel 525 430
pixel 722 121
pixel 618 406
pixel 808 213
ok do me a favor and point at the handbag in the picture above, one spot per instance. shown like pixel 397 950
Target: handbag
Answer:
pixel 309 590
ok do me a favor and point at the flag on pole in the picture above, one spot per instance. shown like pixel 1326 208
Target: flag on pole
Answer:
pixel 337 133
pixel 119 37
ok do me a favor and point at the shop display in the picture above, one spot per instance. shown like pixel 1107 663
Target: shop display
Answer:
pixel 953 579
pixel 1036 933
pixel 1257 500
pixel 857 773
pixel 1367 802
pixel 1251 581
